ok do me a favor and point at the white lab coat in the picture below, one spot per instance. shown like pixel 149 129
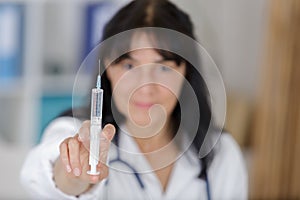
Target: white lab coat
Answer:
pixel 227 173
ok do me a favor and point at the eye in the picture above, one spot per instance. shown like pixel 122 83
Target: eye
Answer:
pixel 164 68
pixel 127 66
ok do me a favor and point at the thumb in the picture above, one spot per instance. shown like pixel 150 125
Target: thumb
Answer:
pixel 109 132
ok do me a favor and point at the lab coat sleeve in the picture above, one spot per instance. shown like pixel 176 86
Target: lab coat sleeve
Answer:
pixel 37 171
pixel 227 173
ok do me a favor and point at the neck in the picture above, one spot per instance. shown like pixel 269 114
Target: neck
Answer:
pixel 150 138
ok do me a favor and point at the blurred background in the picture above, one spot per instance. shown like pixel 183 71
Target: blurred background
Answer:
pixel 255 44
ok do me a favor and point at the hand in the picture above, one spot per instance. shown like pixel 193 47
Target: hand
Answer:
pixel 70 172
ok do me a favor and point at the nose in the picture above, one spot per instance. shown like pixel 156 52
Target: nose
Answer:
pixel 146 83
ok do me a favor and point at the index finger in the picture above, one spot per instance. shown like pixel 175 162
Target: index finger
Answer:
pixel 86 124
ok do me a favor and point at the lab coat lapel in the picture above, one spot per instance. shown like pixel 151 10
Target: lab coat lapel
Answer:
pixel 185 170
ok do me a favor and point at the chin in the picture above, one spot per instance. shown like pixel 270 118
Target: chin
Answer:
pixel 146 119
pixel 142 121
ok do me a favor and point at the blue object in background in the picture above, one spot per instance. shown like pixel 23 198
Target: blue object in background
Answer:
pixel 97 15
pixel 11 40
pixel 52 106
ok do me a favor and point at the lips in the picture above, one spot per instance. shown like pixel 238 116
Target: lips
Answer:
pixel 143 105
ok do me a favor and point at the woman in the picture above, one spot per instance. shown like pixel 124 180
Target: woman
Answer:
pixel 144 93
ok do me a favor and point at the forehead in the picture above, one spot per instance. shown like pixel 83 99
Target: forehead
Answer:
pixel 142 40
pixel 146 55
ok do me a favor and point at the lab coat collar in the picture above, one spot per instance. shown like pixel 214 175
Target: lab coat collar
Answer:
pixel 186 168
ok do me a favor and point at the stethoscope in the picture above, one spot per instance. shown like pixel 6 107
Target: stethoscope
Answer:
pixel 118 159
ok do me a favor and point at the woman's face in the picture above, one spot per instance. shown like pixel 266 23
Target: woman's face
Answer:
pixel 146 86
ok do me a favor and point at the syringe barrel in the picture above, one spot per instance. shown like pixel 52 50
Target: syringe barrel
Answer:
pixel 96 106
pixel 96 127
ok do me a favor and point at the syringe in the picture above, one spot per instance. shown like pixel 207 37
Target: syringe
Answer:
pixel 96 127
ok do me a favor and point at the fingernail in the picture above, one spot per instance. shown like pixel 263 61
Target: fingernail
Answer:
pixel 68 168
pixel 76 172
pixel 80 138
